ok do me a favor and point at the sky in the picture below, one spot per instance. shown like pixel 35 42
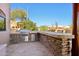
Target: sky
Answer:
pixel 47 13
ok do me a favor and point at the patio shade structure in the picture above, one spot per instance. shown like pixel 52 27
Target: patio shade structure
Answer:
pixel 75 42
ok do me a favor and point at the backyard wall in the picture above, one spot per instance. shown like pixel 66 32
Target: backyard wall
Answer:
pixel 4 35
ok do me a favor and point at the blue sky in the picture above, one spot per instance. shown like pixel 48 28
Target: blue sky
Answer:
pixel 47 13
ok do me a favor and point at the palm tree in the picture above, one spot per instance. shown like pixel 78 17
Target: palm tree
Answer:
pixel 18 13
pixel 56 24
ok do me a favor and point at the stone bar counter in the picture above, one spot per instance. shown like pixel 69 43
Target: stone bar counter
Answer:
pixel 59 44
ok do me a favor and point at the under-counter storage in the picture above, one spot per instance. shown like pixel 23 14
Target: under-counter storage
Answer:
pixel 33 36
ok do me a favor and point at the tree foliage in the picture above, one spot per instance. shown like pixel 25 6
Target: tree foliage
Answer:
pixel 24 23
pixel 28 24
pixel 18 13
pixel 1 24
pixel 43 28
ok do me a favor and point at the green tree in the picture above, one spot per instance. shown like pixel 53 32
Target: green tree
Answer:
pixel 1 24
pixel 18 13
pixel 28 24
pixel 24 23
pixel 43 28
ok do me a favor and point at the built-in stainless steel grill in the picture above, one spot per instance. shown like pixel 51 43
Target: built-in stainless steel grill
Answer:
pixel 21 36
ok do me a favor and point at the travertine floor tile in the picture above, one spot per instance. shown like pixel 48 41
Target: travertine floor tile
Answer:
pixel 28 49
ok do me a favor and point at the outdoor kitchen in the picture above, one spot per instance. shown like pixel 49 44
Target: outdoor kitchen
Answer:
pixel 25 38
pixel 57 43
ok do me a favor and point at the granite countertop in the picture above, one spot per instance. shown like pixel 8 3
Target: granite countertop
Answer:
pixel 53 34
pixel 60 35
pixel 14 32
